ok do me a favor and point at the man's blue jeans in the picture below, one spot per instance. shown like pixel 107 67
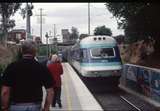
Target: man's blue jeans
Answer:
pixel 25 107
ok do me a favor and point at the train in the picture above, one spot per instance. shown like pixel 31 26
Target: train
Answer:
pixel 96 56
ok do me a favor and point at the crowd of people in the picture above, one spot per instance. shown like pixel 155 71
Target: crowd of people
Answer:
pixel 22 82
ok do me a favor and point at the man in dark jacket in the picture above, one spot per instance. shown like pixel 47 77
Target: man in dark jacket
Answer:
pixel 22 83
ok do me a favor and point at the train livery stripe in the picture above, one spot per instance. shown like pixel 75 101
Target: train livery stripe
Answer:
pixel 97 45
pixel 102 68
pixel 100 64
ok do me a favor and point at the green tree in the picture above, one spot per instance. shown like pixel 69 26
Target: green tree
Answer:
pixel 120 38
pixel 83 36
pixel 102 30
pixel 74 34
pixel 139 20
pixel 7 10
pixel 24 11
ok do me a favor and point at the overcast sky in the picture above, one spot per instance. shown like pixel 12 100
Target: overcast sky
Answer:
pixel 66 15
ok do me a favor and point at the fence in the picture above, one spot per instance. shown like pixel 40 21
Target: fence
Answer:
pixel 143 80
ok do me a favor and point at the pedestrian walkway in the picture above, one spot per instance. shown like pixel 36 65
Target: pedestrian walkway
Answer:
pixel 75 95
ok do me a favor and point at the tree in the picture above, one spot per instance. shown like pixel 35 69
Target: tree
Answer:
pixel 83 36
pixel 24 10
pixel 26 13
pixel 102 30
pixel 120 39
pixel 139 20
pixel 7 10
pixel 74 34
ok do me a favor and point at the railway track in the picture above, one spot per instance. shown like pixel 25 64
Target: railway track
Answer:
pixel 135 107
pixel 119 100
pixel 114 98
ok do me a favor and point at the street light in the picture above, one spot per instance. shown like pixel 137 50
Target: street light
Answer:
pixel 55 43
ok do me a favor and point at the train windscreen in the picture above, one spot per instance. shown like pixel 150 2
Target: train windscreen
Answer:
pixel 102 52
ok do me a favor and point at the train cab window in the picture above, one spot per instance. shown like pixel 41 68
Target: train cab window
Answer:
pixel 102 52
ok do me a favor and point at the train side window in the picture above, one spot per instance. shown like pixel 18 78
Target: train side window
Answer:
pixel 84 53
pixel 81 54
pixel 77 55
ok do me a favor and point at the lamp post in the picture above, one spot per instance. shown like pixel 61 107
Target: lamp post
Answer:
pixel 55 43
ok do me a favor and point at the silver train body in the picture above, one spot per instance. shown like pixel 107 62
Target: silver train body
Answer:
pixel 96 56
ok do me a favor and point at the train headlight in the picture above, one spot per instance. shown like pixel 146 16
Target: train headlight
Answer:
pixel 95 38
pixel 99 38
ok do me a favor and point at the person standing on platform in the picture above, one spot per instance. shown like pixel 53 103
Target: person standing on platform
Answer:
pixel 22 83
pixel 56 70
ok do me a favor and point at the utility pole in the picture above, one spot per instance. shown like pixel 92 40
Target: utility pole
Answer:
pixel 41 21
pixel 55 39
pixel 47 36
pixel 28 31
pixel 28 11
pixel 54 30
pixel 49 46
pixel 88 18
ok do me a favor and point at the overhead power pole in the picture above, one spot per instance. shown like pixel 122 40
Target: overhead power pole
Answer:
pixel 41 23
pixel 54 38
pixel 28 13
pixel 28 26
pixel 40 15
pixel 88 18
pixel 54 30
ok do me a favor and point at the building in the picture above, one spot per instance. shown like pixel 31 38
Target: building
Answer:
pixel 17 35
pixel 58 39
pixel 65 35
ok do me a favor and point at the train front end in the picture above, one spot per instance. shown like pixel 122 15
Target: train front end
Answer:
pixel 100 57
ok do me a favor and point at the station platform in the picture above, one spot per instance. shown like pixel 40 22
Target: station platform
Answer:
pixel 74 95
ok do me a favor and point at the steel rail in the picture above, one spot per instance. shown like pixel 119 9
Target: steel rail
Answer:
pixel 130 103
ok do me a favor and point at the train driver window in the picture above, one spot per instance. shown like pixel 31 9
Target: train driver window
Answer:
pixel 102 52
pixel 107 52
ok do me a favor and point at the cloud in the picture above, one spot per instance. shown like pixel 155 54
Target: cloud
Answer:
pixel 66 15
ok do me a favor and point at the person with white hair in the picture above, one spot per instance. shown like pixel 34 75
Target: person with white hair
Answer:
pixel 56 70
pixel 22 83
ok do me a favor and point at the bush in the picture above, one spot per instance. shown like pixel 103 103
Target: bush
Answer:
pixel 2 67
pixel 42 50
